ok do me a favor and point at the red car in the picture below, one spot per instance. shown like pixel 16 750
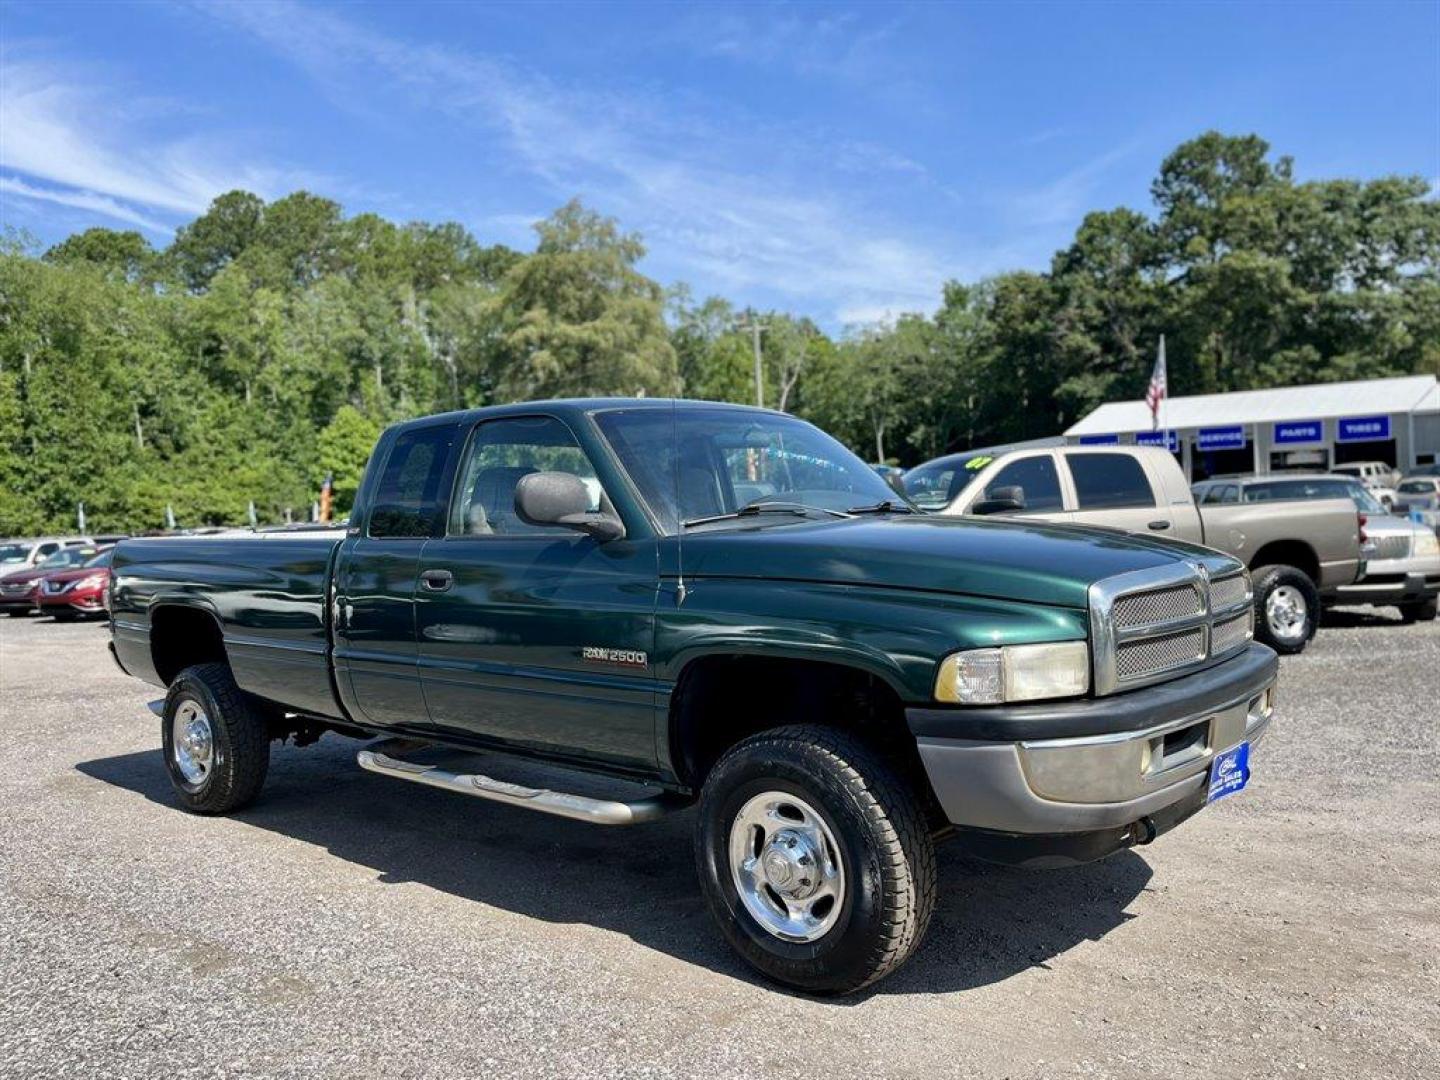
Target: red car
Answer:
pixel 78 591
pixel 19 588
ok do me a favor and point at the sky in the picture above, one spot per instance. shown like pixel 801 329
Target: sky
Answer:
pixel 838 161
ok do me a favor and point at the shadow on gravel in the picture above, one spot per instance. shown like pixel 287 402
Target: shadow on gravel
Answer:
pixel 1352 618
pixel 990 923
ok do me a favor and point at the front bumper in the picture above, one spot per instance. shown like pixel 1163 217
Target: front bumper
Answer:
pixel 88 603
pixel 1099 764
pixel 1393 581
pixel 17 602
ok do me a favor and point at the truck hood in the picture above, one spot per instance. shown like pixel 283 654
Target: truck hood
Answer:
pixel 1008 560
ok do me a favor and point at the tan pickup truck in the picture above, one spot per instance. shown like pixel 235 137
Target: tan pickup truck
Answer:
pixel 1294 548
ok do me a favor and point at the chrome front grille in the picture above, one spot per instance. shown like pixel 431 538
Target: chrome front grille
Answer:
pixel 1392 547
pixel 1155 624
pixel 1162 605
pixel 1232 632
pixel 1226 593
pixel 1146 656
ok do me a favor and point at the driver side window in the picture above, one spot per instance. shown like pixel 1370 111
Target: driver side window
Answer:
pixel 1038 479
pixel 500 454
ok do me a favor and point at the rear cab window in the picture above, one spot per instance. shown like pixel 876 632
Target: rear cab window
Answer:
pixel 1109 482
pixel 409 500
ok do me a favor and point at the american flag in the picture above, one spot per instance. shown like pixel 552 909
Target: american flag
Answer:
pixel 1158 388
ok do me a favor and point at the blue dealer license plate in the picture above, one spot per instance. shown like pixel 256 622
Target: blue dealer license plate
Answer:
pixel 1229 772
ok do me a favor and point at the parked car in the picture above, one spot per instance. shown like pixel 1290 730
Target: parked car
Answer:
pixel 19 589
pixel 1419 500
pixel 1294 551
pixel 1402 557
pixel 78 592
pixel 726 605
pixel 1379 476
pixel 21 554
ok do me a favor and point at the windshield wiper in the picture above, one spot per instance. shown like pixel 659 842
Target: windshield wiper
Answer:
pixel 884 506
pixel 756 509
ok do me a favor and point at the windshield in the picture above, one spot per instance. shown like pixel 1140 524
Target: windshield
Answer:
pixel 13 553
pixel 696 462
pixel 939 483
pixel 68 557
pixel 103 559
pixel 1417 487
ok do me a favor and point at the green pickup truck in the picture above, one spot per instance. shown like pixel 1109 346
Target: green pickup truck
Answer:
pixel 680 604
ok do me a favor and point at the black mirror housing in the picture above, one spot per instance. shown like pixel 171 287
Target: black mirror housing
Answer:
pixel 559 498
pixel 1001 500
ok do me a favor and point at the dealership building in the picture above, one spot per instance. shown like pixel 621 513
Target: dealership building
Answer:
pixel 1295 427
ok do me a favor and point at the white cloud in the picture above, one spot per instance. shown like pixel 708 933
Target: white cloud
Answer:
pixel 96 144
pixel 82 200
pixel 664 167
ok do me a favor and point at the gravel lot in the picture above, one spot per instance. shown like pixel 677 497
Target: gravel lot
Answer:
pixel 346 925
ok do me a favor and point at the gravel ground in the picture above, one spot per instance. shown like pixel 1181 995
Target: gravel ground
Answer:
pixel 346 925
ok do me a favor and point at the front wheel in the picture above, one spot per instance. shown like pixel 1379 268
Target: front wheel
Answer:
pixel 216 744
pixel 815 859
pixel 1287 608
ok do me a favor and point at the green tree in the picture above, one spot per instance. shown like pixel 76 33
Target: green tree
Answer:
pixel 577 318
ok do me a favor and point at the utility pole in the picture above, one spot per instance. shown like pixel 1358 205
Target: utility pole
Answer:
pixel 756 328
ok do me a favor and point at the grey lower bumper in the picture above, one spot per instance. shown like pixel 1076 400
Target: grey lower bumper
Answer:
pixel 1091 782
pixel 1378 588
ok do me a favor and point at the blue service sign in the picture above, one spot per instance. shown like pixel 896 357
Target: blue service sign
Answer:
pixel 1099 440
pixel 1362 428
pixel 1222 438
pixel 1158 438
pixel 1298 431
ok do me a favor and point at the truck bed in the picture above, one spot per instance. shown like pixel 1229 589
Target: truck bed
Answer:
pixel 268 590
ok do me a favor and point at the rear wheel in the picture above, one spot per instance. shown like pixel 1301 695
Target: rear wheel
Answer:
pixel 217 747
pixel 1287 608
pixel 815 859
pixel 1418 611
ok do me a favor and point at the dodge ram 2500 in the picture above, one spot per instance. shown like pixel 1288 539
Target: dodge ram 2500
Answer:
pixel 718 607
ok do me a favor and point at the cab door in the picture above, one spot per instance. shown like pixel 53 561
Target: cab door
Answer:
pixel 530 635
pixel 376 577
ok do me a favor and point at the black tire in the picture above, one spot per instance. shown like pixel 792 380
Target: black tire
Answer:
pixel 885 847
pixel 240 744
pixel 1418 611
pixel 1285 638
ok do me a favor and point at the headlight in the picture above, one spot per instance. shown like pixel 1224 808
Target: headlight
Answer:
pixel 1014 673
pixel 94 581
pixel 1426 545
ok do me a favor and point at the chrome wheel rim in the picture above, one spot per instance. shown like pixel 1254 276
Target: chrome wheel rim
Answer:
pixel 192 742
pixel 1286 613
pixel 787 867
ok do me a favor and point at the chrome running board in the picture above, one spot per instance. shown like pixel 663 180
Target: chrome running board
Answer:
pixel 378 759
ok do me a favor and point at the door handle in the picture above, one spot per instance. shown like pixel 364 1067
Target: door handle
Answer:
pixel 436 580
pixel 1159 525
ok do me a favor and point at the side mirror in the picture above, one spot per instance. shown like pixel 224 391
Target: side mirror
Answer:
pixel 558 498
pixel 1001 500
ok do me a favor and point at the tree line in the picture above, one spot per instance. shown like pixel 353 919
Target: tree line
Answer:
pixel 269 343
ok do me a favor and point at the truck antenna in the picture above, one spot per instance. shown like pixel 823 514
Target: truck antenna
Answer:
pixel 679 523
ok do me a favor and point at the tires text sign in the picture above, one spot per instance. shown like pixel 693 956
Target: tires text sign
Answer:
pixel 1362 428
